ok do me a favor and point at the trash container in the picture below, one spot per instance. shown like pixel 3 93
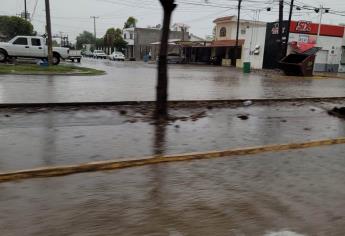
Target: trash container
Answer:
pixel 246 67
pixel 298 64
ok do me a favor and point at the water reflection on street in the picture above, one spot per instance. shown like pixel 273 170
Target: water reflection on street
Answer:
pixel 136 81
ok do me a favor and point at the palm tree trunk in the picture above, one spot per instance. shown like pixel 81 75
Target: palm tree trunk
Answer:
pixel 162 82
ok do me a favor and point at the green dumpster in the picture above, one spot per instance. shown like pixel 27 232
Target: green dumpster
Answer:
pixel 246 67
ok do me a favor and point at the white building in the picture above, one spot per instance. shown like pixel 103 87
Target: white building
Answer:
pixel 252 36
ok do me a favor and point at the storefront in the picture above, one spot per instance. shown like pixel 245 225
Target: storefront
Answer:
pixel 330 40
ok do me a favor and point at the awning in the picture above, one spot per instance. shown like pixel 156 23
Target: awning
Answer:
pixel 301 47
pixel 226 43
pixel 170 42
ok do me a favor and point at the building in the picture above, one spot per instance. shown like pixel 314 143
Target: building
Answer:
pixel 180 27
pixel 193 37
pixel 342 59
pixel 140 41
pixel 331 42
pixel 223 46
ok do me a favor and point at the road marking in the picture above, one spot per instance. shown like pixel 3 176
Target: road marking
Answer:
pixel 113 165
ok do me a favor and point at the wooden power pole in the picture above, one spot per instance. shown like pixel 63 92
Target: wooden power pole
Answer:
pixel 288 28
pixel 281 18
pixel 49 33
pixel 235 54
pixel 25 11
pixel 238 21
pixel 94 27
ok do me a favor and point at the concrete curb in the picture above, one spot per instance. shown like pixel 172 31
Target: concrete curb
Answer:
pixel 173 102
pixel 113 165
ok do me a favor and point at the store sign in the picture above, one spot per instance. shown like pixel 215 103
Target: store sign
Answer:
pixel 303 26
pixel 303 38
pixel 275 29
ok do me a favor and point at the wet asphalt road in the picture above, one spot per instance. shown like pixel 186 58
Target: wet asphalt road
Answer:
pixel 301 191
pixel 133 81
pixel 47 138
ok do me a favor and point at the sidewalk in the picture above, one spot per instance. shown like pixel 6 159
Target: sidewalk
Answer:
pixel 49 137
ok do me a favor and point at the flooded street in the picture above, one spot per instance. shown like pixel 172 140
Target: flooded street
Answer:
pixel 46 138
pixel 302 191
pixel 297 191
pixel 136 81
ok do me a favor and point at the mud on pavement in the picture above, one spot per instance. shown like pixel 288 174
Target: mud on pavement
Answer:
pixel 36 137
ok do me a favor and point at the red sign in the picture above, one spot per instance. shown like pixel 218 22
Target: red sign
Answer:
pixel 303 26
pixel 306 27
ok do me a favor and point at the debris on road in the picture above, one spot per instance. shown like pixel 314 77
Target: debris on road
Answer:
pixel 339 112
pixel 198 115
pixel 247 103
pixel 243 117
pixel 123 112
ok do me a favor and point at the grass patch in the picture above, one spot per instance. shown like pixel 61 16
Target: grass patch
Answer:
pixel 28 69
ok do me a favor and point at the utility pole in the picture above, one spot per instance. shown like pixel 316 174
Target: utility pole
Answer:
pixel 288 29
pixel 321 11
pixel 94 27
pixel 49 33
pixel 25 11
pixel 238 20
pixel 281 17
pixel 237 32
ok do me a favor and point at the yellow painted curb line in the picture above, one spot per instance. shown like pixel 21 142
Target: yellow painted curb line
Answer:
pixel 113 165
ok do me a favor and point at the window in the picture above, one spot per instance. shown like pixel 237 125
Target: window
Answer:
pixel 131 35
pixel 125 36
pixel 243 31
pixel 21 41
pixel 35 42
pixel 222 32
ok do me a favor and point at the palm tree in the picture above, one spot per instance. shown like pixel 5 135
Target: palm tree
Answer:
pixel 162 81
pixel 131 22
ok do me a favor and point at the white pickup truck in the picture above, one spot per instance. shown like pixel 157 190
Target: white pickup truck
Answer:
pixel 31 47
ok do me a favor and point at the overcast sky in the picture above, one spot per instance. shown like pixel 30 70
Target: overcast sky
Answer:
pixel 73 16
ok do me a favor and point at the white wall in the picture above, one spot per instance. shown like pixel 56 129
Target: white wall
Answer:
pixel 126 35
pixel 342 66
pixel 231 30
pixel 255 36
pixel 330 44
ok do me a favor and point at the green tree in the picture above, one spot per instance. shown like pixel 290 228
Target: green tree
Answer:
pixel 100 42
pixel 113 38
pixel 131 22
pixel 11 26
pixel 85 38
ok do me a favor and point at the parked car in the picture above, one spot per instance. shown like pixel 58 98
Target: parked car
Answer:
pixel 99 54
pixel 87 54
pixel 31 47
pixel 174 58
pixel 117 56
pixel 75 55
